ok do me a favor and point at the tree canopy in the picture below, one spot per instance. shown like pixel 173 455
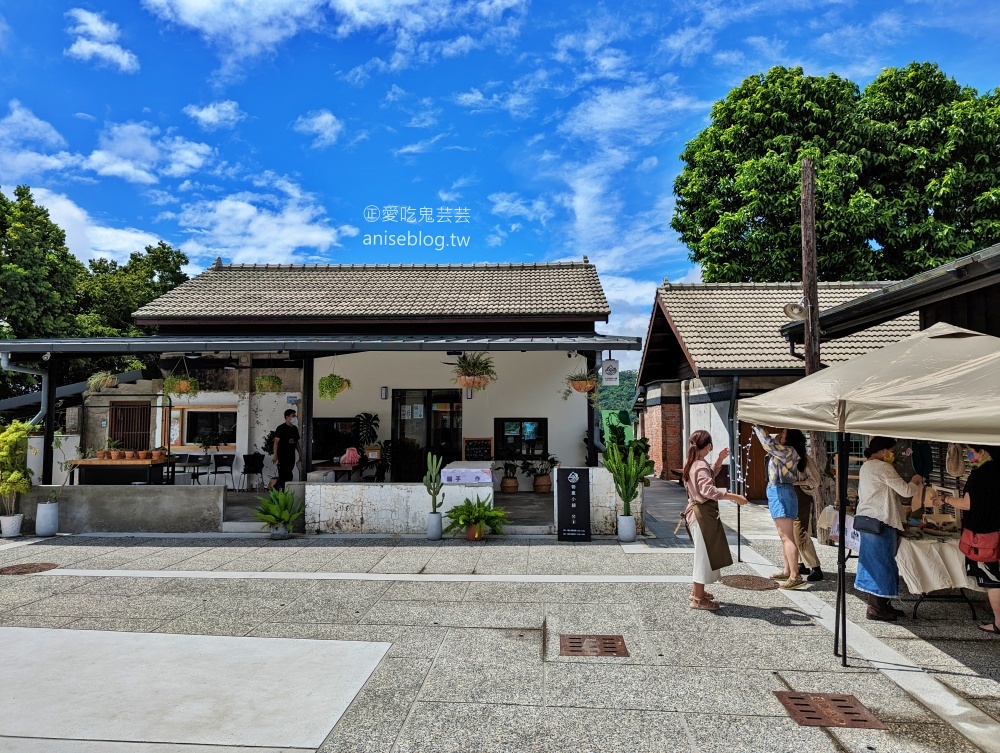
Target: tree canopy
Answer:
pixel 620 397
pixel 46 292
pixel 906 176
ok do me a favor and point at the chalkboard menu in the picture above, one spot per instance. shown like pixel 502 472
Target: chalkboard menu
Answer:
pixel 477 448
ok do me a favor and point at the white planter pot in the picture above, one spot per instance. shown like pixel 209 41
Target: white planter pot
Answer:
pixel 10 525
pixel 47 519
pixel 434 526
pixel 626 528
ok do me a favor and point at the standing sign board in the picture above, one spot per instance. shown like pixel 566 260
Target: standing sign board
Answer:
pixel 853 541
pixel 573 510
pixel 609 373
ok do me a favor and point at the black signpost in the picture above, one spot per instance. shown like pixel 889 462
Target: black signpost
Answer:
pixel 573 513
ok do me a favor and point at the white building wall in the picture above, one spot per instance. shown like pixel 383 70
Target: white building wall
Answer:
pixel 529 385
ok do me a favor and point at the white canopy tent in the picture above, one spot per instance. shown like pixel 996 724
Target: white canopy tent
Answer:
pixel 942 384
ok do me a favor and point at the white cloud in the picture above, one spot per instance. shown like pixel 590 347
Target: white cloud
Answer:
pixel 419 147
pixel 4 33
pixel 133 152
pixel 87 239
pixel 252 228
pixel 322 124
pixel 28 144
pixel 96 39
pixel 512 205
pixel 211 117
pixel 648 164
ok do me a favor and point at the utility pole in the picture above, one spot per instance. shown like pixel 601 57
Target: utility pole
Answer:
pixel 810 295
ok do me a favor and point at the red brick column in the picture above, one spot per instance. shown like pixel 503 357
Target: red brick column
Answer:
pixel 662 424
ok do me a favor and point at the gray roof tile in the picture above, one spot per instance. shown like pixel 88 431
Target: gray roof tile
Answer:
pixel 737 325
pixel 563 289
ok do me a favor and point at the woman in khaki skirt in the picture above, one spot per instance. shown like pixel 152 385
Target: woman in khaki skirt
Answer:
pixel 711 550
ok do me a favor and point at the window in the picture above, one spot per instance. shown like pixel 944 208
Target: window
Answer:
pixel 191 427
pixel 332 436
pixel 521 437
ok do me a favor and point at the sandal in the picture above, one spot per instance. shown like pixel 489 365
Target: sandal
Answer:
pixel 783 575
pixel 705 603
pixel 993 629
pixel 706 596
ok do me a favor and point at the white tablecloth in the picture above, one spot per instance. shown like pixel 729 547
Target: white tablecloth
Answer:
pixel 932 564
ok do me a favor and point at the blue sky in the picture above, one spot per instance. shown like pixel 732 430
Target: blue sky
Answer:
pixel 261 130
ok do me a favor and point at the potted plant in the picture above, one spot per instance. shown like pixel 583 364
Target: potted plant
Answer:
pixel 579 381
pixel 159 453
pixel 266 383
pixel 207 441
pixel 332 385
pixel 180 385
pixel 628 470
pixel 15 476
pixel 508 464
pixel 143 454
pixel 475 371
pixel 278 511
pixel 103 454
pixel 474 517
pixel 101 380
pixel 432 480
pixel 541 472
pixel 115 449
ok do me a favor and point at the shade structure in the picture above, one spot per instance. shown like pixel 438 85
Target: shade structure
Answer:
pixel 942 384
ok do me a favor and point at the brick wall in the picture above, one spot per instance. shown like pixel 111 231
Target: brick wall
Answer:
pixel 663 427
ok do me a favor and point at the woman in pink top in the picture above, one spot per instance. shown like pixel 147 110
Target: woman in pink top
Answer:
pixel 711 549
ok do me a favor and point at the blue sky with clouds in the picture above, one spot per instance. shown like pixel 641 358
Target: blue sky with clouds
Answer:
pixel 276 130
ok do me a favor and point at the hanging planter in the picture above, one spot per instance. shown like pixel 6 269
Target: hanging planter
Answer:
pixel 332 385
pixel 180 385
pixel 267 383
pixel 475 371
pixel 101 380
pixel 584 382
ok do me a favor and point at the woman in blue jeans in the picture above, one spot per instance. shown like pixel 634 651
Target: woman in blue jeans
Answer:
pixel 782 461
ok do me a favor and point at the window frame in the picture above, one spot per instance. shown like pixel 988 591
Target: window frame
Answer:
pixel 184 410
pixel 542 434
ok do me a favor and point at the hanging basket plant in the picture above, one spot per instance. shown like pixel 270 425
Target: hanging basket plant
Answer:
pixel 101 380
pixel 267 383
pixel 475 371
pixel 182 385
pixel 332 385
pixel 580 381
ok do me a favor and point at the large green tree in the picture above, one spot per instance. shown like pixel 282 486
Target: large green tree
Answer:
pixel 906 176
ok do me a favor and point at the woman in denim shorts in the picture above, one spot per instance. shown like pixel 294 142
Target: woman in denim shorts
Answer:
pixel 782 501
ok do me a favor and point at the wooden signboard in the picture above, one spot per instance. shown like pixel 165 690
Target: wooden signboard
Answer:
pixel 477 448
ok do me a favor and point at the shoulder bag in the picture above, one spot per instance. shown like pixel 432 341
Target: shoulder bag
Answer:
pixel 866 524
pixel 980 547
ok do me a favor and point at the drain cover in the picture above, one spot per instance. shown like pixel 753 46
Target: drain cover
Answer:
pixel 828 710
pixel 749 582
pixel 28 568
pixel 592 645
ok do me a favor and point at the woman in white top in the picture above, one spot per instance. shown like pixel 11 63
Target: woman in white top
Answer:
pixel 879 492
pixel 711 549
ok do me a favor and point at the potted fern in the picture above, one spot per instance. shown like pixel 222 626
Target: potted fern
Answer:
pixel 541 473
pixel 508 464
pixel 628 469
pixel 180 385
pixel 475 371
pixel 579 381
pixel 475 517
pixel 266 383
pixel 332 385
pixel 432 481
pixel 278 512
pixel 101 380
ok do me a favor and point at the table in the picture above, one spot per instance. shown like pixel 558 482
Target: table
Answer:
pixel 934 564
pixel 195 470
pixel 118 472
pixel 348 470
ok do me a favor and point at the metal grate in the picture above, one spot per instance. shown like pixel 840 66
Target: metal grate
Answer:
pixel 828 710
pixel 28 568
pixel 749 582
pixel 592 645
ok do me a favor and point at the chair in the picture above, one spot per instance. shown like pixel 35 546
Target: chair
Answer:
pixel 224 465
pixel 253 465
pixel 198 466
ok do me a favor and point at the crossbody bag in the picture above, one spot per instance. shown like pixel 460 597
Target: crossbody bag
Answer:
pixel 866 524
pixel 980 547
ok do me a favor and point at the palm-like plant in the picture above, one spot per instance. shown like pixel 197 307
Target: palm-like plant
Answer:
pixel 279 508
pixel 628 471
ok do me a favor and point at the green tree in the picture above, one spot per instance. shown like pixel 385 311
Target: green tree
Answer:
pixel 620 397
pixel 905 176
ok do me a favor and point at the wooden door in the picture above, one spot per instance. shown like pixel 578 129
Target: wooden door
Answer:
pixel 753 464
pixel 129 423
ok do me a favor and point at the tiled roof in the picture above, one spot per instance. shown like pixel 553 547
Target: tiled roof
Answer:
pixel 563 289
pixel 737 325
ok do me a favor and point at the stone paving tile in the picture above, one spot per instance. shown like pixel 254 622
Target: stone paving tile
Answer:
pixel 651 688
pixel 575 593
pixel 372 722
pixel 904 738
pixel 984 684
pixel 213 559
pixel 600 619
pixel 417 591
pixel 989 706
pixel 359 559
pixel 110 586
pixel 454 559
pixel 34 621
pixel 449 614
pixel 194 623
pixel 733 619
pixel 497 560
pixel 257 561
pixel 723 733
pixel 93 605
pixel 407 642
pixel 408 559
pixel 304 562
pixel 977 654
pixel 232 587
pixel 118 624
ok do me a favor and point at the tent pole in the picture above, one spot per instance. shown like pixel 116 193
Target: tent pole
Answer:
pixel 840 618
pixel 734 432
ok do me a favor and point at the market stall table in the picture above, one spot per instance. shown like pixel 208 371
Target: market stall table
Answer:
pixel 119 472
pixel 934 564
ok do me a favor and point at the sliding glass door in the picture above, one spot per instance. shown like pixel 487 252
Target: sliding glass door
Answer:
pixel 424 421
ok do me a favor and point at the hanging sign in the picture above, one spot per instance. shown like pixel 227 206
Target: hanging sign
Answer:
pixel 609 373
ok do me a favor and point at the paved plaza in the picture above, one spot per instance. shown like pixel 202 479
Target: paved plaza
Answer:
pixel 214 644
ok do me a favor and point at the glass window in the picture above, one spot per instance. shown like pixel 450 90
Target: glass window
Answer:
pixel 521 437
pixel 211 426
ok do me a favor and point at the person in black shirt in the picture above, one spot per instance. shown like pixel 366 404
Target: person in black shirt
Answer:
pixel 980 500
pixel 286 445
